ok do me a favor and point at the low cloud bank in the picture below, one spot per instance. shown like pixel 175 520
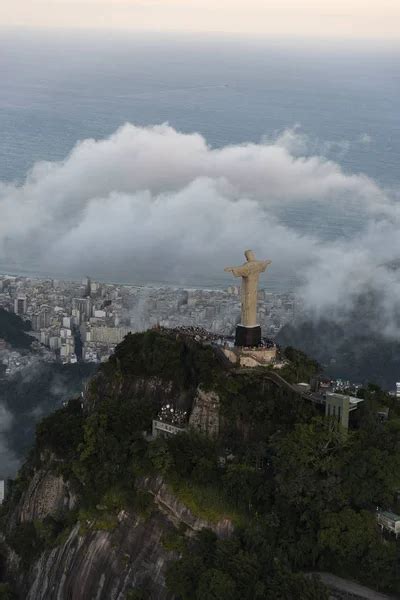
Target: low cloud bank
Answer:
pixel 31 394
pixel 156 203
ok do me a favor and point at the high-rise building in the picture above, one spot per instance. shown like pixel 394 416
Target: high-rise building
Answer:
pixel 20 305
pixel 94 287
pixel 66 322
pixel 84 305
pixel 44 316
pixel 88 287
pixel 35 320
pixel 398 390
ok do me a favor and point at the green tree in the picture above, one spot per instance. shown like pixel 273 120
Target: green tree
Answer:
pixel 6 592
pixel 371 465
pixel 26 542
pixel 182 576
pixel 139 593
pixel 241 564
pixel 308 466
pixel 300 367
pixel 13 328
pixel 194 455
pixel 62 431
pixel 113 439
pixel 160 456
pixel 216 585
pixel 287 586
pixel 244 484
pixel 345 537
pixel 349 541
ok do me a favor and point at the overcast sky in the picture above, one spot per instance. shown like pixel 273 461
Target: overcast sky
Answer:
pixel 336 18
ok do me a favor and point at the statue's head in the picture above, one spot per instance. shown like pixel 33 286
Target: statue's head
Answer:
pixel 249 254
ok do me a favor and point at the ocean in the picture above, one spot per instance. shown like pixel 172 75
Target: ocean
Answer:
pixel 59 88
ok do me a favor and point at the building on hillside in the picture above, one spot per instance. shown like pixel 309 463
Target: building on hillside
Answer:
pixel 163 429
pixel 319 384
pixel 340 406
pixel 2 491
pixel 389 521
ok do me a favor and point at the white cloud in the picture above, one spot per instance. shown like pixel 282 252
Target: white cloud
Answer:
pixel 153 200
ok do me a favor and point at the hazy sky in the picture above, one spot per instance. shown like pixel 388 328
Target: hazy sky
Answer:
pixel 349 18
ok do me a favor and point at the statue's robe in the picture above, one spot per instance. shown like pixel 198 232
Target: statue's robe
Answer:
pixel 250 273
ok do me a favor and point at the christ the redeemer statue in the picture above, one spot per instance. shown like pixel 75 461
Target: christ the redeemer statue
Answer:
pixel 248 333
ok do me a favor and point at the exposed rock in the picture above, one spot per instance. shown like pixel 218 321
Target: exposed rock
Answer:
pixel 47 494
pixel 104 565
pixel 178 513
pixel 205 413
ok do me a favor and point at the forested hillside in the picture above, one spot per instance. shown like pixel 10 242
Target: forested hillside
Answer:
pixel 291 491
pixel 13 329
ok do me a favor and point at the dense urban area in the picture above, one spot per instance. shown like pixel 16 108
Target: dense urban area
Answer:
pixel 84 321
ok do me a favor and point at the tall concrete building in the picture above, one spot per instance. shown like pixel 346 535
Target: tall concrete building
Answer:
pixel 84 305
pixel 2 491
pixel 45 316
pixel 20 305
pixel 42 319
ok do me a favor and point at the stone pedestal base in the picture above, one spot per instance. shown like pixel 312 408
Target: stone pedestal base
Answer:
pixel 248 337
pixel 250 357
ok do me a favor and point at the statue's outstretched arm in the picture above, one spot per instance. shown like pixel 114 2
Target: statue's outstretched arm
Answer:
pixel 266 263
pixel 242 271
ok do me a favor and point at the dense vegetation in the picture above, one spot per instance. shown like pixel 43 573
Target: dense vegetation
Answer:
pixel 244 567
pixel 300 368
pixel 301 492
pixel 311 507
pixel 13 329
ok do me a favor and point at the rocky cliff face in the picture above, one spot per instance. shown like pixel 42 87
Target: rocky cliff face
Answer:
pixel 103 565
pixel 177 513
pixel 205 413
pixel 47 495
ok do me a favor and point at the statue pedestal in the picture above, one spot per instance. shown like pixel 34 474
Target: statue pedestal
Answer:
pixel 248 337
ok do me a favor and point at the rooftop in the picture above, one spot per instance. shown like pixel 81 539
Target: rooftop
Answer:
pixel 389 515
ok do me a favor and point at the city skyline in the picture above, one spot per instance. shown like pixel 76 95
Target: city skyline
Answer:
pixel 101 314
